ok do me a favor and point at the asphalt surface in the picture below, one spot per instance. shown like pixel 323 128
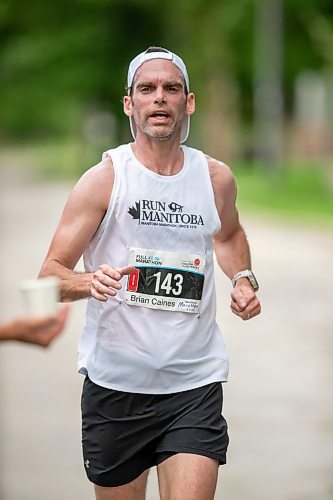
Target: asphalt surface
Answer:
pixel 278 400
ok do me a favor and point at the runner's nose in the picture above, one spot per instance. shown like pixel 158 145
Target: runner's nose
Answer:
pixel 159 95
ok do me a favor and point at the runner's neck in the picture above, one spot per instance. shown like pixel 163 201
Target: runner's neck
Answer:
pixel 161 158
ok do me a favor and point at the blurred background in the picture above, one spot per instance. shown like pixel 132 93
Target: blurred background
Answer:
pixel 262 73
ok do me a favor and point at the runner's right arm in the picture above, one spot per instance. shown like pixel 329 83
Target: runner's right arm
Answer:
pixel 84 211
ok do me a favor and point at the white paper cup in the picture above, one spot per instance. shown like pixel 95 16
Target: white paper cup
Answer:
pixel 40 296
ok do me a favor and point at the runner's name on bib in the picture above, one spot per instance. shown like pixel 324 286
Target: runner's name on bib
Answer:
pixel 165 280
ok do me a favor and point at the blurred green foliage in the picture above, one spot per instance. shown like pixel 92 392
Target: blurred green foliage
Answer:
pixel 59 58
pixel 295 191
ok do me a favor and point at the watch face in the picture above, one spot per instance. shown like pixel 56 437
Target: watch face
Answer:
pixel 253 280
pixel 246 274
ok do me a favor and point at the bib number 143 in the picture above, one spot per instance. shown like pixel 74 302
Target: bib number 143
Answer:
pixel 171 284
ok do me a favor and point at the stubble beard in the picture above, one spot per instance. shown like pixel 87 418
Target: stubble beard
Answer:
pixel 160 132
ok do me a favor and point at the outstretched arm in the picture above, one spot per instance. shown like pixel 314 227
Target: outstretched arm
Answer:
pixel 34 330
pixel 231 245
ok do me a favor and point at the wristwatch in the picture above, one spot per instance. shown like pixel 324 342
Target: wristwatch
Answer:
pixel 246 274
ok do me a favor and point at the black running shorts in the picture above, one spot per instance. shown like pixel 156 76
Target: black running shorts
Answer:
pixel 123 434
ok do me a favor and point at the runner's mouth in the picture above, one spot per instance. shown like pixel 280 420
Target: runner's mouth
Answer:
pixel 159 114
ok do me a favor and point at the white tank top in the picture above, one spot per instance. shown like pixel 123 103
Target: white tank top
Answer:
pixel 159 334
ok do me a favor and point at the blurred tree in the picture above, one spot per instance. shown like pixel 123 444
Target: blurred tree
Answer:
pixel 59 58
pixel 268 78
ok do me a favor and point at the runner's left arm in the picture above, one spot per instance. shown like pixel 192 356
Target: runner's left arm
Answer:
pixel 230 243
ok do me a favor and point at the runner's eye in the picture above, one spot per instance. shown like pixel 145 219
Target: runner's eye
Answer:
pixel 173 88
pixel 145 89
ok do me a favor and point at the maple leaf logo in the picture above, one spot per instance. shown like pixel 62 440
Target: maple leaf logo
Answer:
pixel 135 211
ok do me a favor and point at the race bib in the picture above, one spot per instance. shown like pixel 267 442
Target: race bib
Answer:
pixel 165 280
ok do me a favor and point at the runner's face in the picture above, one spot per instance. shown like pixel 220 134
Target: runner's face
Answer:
pixel 158 103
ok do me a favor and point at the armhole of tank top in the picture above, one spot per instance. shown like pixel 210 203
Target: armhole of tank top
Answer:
pixel 115 190
pixel 211 190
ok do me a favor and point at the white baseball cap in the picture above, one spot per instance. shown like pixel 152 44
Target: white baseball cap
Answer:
pixel 158 53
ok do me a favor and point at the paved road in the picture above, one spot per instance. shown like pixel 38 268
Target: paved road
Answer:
pixel 279 398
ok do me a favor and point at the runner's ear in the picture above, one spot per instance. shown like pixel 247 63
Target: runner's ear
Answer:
pixel 190 104
pixel 127 105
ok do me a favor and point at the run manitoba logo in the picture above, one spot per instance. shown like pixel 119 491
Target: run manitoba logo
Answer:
pixel 161 213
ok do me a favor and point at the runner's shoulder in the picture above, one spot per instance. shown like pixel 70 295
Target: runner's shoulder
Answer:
pixel 95 185
pixel 221 175
pixel 100 174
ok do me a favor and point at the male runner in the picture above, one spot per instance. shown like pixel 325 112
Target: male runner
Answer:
pixel 147 219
